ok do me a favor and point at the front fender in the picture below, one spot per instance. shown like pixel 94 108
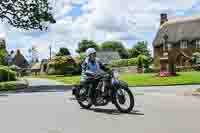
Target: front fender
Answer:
pixel 123 84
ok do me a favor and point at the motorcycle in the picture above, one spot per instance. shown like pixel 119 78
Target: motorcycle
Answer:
pixel 108 88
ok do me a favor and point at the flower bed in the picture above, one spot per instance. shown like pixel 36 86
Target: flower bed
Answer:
pixel 166 74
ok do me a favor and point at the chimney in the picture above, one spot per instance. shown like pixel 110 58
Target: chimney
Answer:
pixel 163 18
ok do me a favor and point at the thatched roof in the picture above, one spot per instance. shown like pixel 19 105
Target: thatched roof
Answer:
pixel 20 61
pixel 182 28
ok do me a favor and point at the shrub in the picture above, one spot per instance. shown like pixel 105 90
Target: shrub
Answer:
pixel 120 63
pixel 7 74
pixel 132 61
pixel 149 70
pixel 141 61
pixel 63 65
pixel 124 62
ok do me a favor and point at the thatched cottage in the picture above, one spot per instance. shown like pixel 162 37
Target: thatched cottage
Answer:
pixel 176 42
pixel 20 61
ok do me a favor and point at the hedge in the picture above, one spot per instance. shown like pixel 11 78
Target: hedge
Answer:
pixel 60 65
pixel 7 74
pixel 124 62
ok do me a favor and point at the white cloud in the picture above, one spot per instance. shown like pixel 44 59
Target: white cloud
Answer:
pixel 2 35
pixel 123 20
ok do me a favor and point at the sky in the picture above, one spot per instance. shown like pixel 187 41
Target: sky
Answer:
pixel 127 21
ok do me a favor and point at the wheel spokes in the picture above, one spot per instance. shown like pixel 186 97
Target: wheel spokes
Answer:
pixel 126 103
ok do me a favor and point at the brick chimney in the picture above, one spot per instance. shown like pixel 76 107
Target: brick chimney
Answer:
pixel 163 18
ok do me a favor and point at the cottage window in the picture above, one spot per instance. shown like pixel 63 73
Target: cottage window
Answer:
pixel 197 43
pixel 184 44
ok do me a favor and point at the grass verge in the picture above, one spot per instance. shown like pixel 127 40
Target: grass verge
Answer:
pixel 198 90
pixel 183 78
pixel 11 85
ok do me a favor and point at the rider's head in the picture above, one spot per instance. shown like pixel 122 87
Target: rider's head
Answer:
pixel 91 53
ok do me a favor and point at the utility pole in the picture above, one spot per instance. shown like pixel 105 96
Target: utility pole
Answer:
pixel 50 51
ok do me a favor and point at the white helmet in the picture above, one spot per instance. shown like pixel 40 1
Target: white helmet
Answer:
pixel 90 51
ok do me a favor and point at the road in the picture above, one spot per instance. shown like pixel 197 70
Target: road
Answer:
pixel 58 112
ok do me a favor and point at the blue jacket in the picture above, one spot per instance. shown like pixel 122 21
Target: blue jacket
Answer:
pixel 88 67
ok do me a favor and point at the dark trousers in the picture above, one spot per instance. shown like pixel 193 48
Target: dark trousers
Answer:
pixel 91 86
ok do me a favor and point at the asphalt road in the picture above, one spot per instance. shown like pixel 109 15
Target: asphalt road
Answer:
pixel 58 112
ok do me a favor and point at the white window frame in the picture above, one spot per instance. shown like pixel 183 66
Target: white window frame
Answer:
pixel 184 44
pixel 197 43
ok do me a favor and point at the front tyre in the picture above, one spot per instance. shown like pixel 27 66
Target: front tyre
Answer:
pixel 124 99
pixel 82 98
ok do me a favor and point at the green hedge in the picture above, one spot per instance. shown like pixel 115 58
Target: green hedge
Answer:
pixel 7 74
pixel 61 65
pixel 124 62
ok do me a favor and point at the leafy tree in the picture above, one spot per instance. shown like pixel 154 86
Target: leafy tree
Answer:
pixel 85 44
pixel 138 49
pixel 142 62
pixel 82 57
pixel 26 14
pixel 3 54
pixel 115 46
pixel 63 52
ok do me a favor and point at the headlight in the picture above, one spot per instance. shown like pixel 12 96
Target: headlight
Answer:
pixel 116 74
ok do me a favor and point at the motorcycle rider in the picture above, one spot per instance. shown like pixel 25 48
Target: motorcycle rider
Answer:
pixel 91 67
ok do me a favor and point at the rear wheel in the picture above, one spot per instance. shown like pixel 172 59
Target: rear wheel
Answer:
pixel 124 99
pixel 83 99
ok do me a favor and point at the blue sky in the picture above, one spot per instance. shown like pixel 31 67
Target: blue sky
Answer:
pixel 100 20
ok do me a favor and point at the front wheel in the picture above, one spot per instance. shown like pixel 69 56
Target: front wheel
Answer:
pixel 82 98
pixel 124 99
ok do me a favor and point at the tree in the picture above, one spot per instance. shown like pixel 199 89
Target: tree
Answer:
pixel 63 52
pixel 26 14
pixel 142 62
pixel 85 44
pixel 138 49
pixel 3 54
pixel 115 46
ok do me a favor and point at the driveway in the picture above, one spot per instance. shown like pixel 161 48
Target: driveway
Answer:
pixel 58 112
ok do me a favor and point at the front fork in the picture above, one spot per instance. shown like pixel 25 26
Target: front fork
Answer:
pixel 116 84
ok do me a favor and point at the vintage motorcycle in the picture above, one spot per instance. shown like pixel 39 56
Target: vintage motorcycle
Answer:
pixel 108 88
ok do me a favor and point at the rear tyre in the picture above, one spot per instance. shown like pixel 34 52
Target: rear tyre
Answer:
pixel 121 96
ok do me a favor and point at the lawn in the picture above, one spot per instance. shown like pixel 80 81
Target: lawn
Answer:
pixel 139 79
pixel 152 79
pixel 13 85
pixel 198 90
pixel 10 85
